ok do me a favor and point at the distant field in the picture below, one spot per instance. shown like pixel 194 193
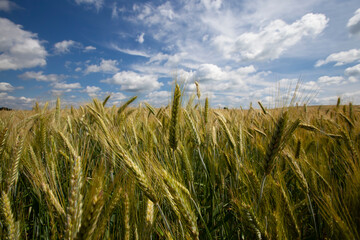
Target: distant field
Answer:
pixel 180 172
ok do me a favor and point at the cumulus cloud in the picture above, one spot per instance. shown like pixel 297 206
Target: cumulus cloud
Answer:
pixel 220 30
pixel 6 87
pixel 183 75
pixel 334 80
pixel 351 96
pixel 353 73
pixel 134 82
pixel 354 23
pixel 65 86
pixel 92 91
pixel 116 97
pixel 140 38
pixel 89 48
pixel 225 78
pixel 223 81
pixel 207 72
pixel 19 49
pixel 158 98
pixel 273 40
pixel 15 102
pixel 65 46
pixel 105 66
pixel 41 77
pixel 96 3
pixel 341 58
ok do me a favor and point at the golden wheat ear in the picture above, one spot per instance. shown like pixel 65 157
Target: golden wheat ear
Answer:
pixel 8 216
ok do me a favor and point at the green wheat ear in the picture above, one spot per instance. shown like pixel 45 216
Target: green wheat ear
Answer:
pixel 126 104
pixel 106 100
pixel 58 109
pixel 262 107
pixel 273 150
pixel 173 137
pixel 206 110
pixel 275 143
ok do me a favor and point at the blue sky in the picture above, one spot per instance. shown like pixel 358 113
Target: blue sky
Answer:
pixel 240 51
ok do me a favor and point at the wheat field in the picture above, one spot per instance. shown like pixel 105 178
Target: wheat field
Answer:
pixel 185 171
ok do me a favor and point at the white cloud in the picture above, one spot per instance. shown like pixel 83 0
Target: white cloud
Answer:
pixel 181 29
pixel 92 91
pixel 273 40
pixel 334 80
pixel 116 97
pixel 246 70
pixel 96 3
pixel 7 6
pixel 351 96
pixel 129 51
pixel 19 49
pixel 115 11
pixel 58 93
pixel 140 38
pixel 3 95
pixel 354 23
pixel 222 81
pixel 78 69
pixel 26 100
pixel 341 58
pixel 183 75
pixel 194 57
pixel 64 46
pixel 65 86
pixel 224 77
pixel 6 87
pixel 158 98
pixel 132 81
pixel 89 48
pixel 208 72
pixel 39 76
pixel 212 4
pixel 162 16
pixel 353 73
pixel 15 102
pixel 105 66
pixel 153 16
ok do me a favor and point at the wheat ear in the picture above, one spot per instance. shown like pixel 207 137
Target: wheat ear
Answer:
pixel 8 216
pixel 273 150
pixel 74 210
pixel 173 138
